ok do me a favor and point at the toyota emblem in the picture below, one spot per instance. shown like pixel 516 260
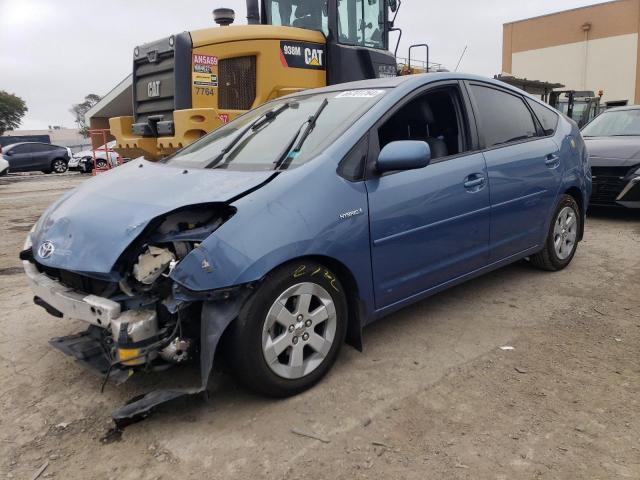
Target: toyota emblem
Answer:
pixel 46 249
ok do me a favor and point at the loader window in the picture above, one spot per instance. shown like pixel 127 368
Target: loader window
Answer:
pixel 361 22
pixel 307 14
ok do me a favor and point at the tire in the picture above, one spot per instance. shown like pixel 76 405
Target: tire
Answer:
pixel 308 335
pixel 562 239
pixel 59 165
pixel 101 163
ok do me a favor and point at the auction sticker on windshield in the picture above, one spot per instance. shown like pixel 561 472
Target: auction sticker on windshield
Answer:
pixel 360 94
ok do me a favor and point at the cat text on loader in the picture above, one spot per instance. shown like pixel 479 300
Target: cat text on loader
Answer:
pixel 191 83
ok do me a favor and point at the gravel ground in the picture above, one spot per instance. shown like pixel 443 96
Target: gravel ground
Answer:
pixel 433 395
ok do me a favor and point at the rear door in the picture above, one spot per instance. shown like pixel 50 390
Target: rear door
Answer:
pixel 431 225
pixel 19 158
pixel 524 168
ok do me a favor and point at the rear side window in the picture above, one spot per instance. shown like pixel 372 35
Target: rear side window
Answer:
pixel 548 118
pixel 20 149
pixel 504 118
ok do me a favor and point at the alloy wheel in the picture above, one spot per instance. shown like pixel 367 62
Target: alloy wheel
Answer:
pixel 59 166
pixel 299 330
pixel 565 232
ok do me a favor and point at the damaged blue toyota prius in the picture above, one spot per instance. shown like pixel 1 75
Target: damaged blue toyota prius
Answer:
pixel 292 227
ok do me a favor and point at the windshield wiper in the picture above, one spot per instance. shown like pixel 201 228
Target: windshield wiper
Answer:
pixel 293 148
pixel 253 126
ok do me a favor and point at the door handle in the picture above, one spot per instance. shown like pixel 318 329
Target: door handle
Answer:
pixel 474 182
pixel 552 161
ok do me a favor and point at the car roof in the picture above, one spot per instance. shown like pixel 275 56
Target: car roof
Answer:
pixel 409 82
pixel 33 143
pixel 621 109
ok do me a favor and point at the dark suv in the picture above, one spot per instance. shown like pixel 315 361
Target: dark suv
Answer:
pixel 34 156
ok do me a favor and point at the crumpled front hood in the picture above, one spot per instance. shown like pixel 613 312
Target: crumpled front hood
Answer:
pixel 91 226
pixel 613 151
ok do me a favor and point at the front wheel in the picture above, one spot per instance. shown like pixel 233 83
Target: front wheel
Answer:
pixel 562 238
pixel 59 165
pixel 290 331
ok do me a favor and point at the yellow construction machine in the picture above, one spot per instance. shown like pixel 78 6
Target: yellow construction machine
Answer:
pixel 191 83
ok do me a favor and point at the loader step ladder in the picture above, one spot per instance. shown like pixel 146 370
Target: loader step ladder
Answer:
pixel 102 135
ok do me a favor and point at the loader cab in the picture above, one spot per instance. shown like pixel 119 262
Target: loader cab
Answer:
pixel 581 106
pixel 357 33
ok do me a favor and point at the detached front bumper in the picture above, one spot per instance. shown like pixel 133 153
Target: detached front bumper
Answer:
pixel 69 303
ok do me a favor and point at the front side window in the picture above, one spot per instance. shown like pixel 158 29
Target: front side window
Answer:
pixel 39 148
pixel 276 135
pixel 361 22
pixel 307 14
pixel 621 123
pixel 434 118
pixel 504 118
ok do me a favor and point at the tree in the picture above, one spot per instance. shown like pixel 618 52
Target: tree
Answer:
pixel 12 109
pixel 79 109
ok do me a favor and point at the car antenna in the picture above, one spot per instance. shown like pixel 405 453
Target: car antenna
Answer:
pixel 460 60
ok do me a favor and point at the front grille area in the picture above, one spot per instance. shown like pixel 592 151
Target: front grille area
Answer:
pixel 79 282
pixel 608 182
pixel 237 83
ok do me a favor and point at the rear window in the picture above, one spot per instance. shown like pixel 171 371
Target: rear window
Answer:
pixel 504 118
pixel 547 117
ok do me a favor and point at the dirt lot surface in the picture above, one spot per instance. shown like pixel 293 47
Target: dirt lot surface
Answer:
pixel 433 395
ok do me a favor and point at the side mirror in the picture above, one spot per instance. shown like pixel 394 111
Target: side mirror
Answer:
pixel 404 155
pixel 8 154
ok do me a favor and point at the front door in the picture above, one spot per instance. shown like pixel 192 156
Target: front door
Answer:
pixel 431 225
pixel 428 226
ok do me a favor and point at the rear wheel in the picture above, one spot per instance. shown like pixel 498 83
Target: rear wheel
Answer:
pixel 289 333
pixel 562 238
pixel 59 165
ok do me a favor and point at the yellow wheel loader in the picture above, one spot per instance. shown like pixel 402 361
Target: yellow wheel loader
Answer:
pixel 191 83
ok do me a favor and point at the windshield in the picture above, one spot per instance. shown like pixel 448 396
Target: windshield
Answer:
pixel 264 138
pixel 618 123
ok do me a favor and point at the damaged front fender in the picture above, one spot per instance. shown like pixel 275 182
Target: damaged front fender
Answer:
pixel 216 317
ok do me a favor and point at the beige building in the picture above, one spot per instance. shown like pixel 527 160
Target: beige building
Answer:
pixel 590 48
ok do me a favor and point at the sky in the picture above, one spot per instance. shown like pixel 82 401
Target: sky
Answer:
pixel 54 52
